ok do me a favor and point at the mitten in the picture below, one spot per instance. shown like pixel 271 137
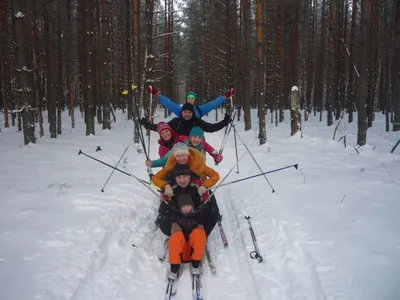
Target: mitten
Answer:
pixel 227 118
pixel 230 93
pixel 153 91
pixel 217 157
pixel 143 121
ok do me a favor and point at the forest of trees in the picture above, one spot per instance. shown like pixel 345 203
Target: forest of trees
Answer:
pixel 95 56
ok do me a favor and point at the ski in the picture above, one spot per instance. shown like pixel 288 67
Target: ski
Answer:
pixel 222 233
pixel 210 262
pixel 171 289
pixel 163 255
pixel 197 291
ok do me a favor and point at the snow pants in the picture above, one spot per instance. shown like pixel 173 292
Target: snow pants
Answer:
pixel 181 250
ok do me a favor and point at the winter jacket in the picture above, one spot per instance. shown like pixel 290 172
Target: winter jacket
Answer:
pixel 196 164
pixel 204 146
pixel 200 111
pixel 171 210
pixel 166 146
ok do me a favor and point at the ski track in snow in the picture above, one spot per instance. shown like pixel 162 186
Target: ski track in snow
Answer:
pixel 113 269
pixel 93 259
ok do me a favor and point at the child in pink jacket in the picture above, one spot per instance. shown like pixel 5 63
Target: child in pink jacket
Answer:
pixel 168 139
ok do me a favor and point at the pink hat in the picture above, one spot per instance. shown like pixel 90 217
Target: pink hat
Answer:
pixel 162 126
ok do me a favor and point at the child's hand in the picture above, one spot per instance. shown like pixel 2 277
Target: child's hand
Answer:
pixel 201 190
pixel 168 191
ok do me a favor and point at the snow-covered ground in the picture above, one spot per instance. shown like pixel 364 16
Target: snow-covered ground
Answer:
pixel 330 231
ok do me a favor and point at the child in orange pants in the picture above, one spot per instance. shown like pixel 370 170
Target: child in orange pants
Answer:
pixel 188 238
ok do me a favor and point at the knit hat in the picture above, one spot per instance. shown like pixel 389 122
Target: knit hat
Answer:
pixel 197 131
pixel 180 148
pixel 180 169
pixel 162 126
pixel 187 106
pixel 185 199
pixel 192 94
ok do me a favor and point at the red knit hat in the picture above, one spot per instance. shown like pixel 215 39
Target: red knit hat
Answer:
pixel 162 126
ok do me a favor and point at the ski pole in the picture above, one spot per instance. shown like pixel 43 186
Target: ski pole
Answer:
pixel 150 114
pixel 226 134
pixel 112 172
pixel 229 172
pixel 141 136
pixel 256 253
pixel 234 132
pixel 104 163
pixel 236 149
pixel 257 175
pixel 273 190
pixel 117 169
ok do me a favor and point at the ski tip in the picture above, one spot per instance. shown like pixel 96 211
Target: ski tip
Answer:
pixel 133 245
pixel 80 152
pixel 296 166
pixel 273 191
pixel 98 148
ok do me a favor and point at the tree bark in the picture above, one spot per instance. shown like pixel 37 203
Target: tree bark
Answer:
pixel 106 62
pixel 260 74
pixel 22 20
pixel 362 103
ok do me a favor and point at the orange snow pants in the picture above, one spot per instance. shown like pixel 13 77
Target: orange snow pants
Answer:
pixel 180 250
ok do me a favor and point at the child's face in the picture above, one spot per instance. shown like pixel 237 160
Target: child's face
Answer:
pixel 165 135
pixel 186 209
pixel 195 140
pixel 181 158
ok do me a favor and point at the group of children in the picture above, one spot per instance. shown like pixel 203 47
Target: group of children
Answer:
pixel 188 214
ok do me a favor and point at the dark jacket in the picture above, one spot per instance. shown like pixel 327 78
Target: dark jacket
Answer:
pixel 183 127
pixel 206 214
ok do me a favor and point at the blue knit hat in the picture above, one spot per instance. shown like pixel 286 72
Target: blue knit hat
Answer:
pixel 192 94
pixel 197 131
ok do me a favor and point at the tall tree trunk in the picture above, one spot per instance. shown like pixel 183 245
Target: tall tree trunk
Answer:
pixel 89 67
pixel 372 65
pixel 260 74
pixel 248 74
pixel 106 62
pixel 149 58
pixel 311 61
pixel 3 53
pixel 362 103
pixel 69 67
pixel 353 75
pixel 330 99
pixel 320 84
pixel 279 113
pixel 396 68
pixel 21 18
pixel 59 66
pixel 51 94
pixel 137 61
pixel 38 89
pixel 294 75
